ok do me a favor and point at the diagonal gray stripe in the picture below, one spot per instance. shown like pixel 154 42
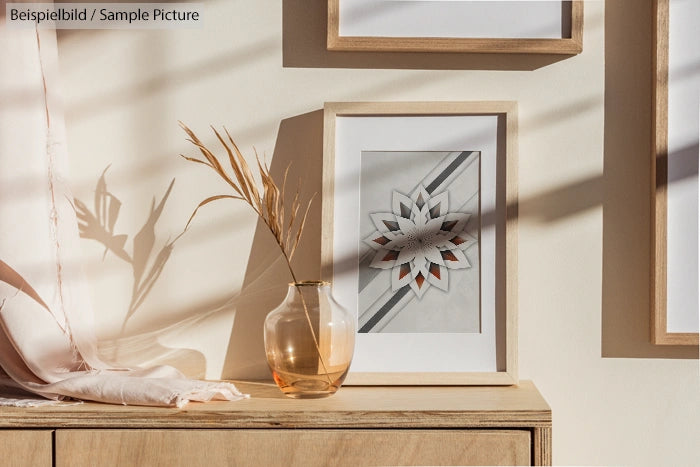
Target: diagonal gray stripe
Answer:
pixel 391 303
pixel 459 160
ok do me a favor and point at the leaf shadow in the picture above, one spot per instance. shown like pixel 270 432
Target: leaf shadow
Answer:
pixel 100 226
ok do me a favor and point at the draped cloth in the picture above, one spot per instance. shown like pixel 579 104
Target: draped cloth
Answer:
pixel 48 346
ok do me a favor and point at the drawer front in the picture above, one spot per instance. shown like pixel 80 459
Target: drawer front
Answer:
pixel 30 448
pixel 287 447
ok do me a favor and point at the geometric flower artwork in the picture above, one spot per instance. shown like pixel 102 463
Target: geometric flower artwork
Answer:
pixel 419 248
pixel 420 240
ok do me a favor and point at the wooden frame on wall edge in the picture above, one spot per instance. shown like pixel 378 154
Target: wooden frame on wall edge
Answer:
pixel 565 46
pixel 659 180
pixel 509 375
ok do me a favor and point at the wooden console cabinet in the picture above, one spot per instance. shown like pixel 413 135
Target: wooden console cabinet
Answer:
pixel 357 426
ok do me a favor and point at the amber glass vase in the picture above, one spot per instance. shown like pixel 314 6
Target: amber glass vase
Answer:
pixel 309 341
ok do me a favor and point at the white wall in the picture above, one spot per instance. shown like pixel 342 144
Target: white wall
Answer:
pixel 583 227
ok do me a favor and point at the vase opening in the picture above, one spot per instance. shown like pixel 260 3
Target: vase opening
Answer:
pixel 318 283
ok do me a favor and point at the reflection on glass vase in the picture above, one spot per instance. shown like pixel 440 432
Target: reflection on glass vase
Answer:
pixel 309 341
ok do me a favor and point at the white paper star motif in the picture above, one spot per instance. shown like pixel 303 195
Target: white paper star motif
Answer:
pixel 420 240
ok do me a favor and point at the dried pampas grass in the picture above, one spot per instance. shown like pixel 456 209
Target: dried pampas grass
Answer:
pixel 268 202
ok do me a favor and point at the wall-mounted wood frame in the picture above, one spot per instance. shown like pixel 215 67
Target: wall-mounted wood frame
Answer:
pixel 663 154
pixel 569 40
pixel 438 150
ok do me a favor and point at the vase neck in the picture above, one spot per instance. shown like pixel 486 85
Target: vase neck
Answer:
pixel 309 290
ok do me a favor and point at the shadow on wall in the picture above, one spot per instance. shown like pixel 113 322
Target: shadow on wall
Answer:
pixel 623 191
pixel 299 143
pixel 147 264
pixel 304 25
pixel 99 226
pixel 627 187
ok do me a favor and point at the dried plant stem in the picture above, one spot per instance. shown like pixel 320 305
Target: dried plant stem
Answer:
pixel 267 203
pixel 287 259
pixel 311 327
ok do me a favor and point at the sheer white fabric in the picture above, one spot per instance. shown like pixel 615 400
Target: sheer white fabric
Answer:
pixel 47 340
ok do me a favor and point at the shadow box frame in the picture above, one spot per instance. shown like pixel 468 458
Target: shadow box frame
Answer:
pixel 354 131
pixel 659 161
pixel 570 44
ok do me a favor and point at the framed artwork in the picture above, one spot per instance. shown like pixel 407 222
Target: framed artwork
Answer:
pixel 499 26
pixel 419 238
pixel 674 169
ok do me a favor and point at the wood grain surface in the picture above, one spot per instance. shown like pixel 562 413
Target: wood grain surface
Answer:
pixel 26 448
pixel 352 407
pixel 77 448
pixel 398 425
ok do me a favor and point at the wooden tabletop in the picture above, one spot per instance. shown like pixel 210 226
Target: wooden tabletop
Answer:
pixel 351 407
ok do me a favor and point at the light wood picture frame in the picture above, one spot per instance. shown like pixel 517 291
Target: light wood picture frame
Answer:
pixel 392 26
pixel 665 202
pixel 450 163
